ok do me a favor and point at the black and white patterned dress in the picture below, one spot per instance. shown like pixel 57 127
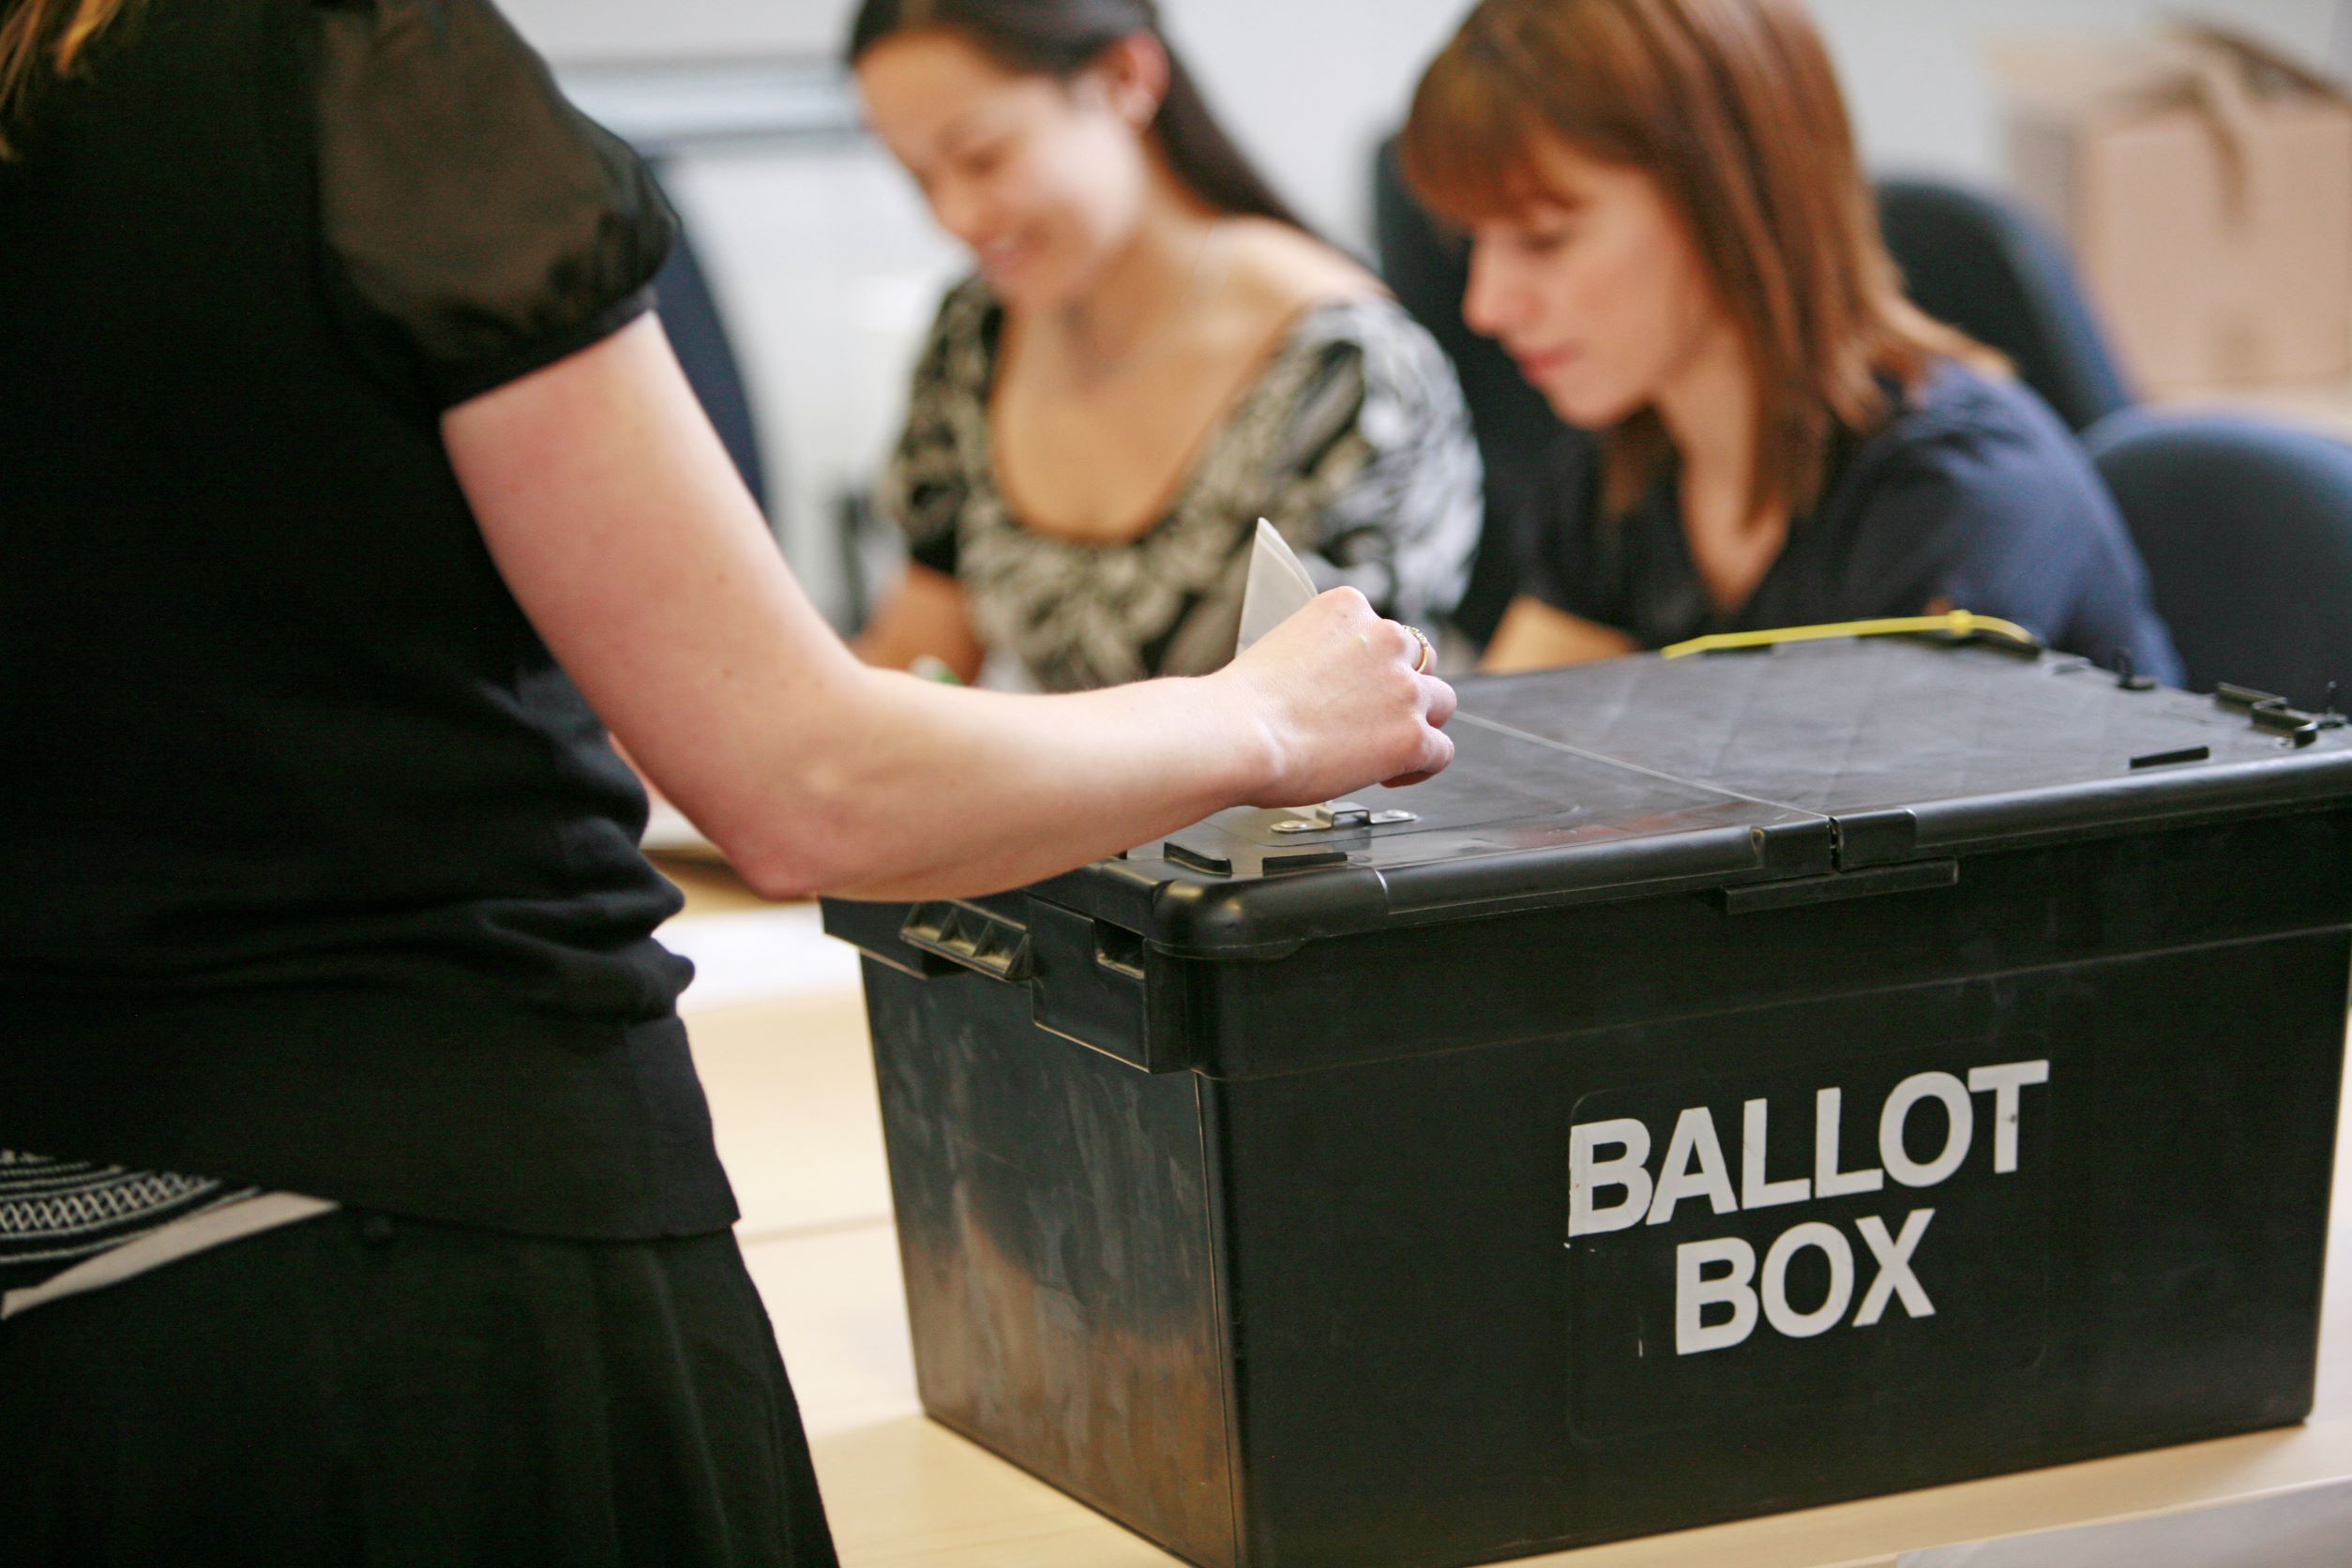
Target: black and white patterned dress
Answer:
pixel 1354 441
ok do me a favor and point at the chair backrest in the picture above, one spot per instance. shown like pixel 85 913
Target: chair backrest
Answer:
pixel 690 316
pixel 1980 263
pixel 1512 422
pixel 2246 528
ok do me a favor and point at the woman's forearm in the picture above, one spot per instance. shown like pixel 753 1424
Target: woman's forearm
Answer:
pixel 918 790
pixel 616 519
pixel 894 786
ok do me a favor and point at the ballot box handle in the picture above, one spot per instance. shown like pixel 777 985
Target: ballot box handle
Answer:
pixel 970 938
pixel 1088 980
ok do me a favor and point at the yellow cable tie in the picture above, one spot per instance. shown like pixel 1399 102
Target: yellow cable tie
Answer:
pixel 1959 623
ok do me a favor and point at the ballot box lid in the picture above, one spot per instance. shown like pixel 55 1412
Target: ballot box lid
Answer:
pixel 1650 775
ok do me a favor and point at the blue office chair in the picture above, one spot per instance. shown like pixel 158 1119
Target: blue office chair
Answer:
pixel 2247 530
pixel 1980 263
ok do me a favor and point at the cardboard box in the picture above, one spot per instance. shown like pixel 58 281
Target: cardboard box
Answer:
pixel 2205 183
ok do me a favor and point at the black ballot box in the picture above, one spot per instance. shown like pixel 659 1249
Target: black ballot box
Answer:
pixel 1748 1082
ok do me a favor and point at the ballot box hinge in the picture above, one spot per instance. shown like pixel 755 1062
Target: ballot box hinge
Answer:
pixel 1875 838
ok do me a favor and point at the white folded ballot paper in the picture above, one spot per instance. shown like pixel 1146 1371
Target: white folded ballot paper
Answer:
pixel 1279 587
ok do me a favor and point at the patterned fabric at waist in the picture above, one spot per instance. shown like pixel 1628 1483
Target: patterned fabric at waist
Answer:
pixel 55 1213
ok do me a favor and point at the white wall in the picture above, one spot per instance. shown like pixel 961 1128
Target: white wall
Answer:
pixel 1309 84
pixel 573 30
pixel 828 270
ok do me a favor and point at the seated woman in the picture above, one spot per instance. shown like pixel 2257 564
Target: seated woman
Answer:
pixel 1153 355
pixel 1670 233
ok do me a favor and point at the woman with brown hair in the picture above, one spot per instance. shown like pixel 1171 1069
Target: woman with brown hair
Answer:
pixel 1152 353
pixel 1670 233
pixel 357 1196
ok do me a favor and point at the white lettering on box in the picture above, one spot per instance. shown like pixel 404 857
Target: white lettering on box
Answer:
pixel 1695 1291
pixel 1627 1170
pixel 1740 1287
pixel 1754 1191
pixel 2006 1081
pixel 1828 1181
pixel 1694 1139
pixel 1960 1128
pixel 1832 1244
pixel 1611 1188
pixel 1894 1256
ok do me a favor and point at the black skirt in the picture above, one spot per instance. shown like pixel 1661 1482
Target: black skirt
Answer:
pixel 361 1389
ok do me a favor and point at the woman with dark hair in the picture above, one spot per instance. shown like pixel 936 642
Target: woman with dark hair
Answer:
pixel 357 1197
pixel 1670 233
pixel 1153 354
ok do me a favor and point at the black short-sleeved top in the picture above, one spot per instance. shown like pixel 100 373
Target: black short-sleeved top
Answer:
pixel 316 873
pixel 1972 494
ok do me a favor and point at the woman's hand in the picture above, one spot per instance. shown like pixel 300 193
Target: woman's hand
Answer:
pixel 1339 703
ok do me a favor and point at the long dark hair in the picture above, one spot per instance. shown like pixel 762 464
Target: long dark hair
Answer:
pixel 1060 38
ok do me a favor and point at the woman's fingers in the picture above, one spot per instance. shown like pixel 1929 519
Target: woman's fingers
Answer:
pixel 1442 700
pixel 1437 752
pixel 1346 701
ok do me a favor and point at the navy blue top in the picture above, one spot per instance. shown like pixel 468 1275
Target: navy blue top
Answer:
pixel 1972 494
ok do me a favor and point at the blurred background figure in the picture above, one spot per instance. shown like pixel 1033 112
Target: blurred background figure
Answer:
pixel 1670 233
pixel 1153 353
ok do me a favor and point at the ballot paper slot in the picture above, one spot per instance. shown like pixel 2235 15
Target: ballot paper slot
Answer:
pixel 1338 814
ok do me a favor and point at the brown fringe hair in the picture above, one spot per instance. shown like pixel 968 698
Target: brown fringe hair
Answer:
pixel 39 40
pixel 1733 108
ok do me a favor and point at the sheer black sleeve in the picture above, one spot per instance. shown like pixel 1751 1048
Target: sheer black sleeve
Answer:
pixel 476 227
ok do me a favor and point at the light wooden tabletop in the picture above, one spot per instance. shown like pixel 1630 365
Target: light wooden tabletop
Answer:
pixel 778 1030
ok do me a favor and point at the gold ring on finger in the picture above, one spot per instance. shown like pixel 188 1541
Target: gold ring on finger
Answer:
pixel 1428 656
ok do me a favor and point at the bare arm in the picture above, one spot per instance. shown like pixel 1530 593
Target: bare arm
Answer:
pixel 924 614
pixel 1534 636
pixel 615 516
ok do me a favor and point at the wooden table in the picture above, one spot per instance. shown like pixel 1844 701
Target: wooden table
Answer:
pixel 779 1033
